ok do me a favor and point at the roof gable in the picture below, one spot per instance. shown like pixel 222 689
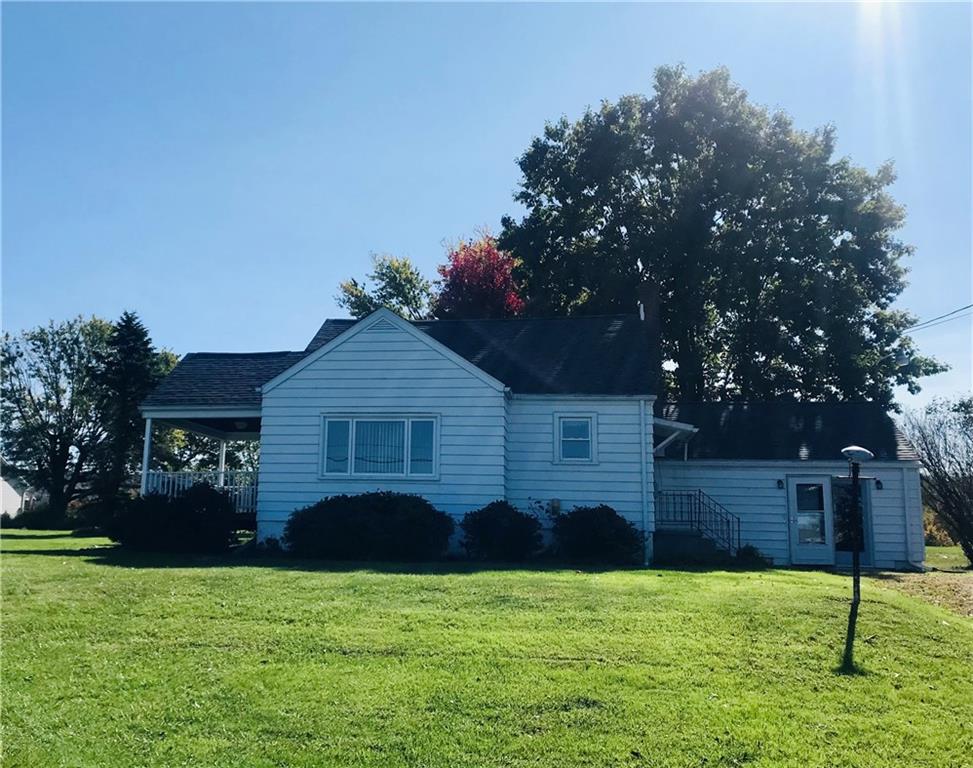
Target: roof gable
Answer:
pixel 381 319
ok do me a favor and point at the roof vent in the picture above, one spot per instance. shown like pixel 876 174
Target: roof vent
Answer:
pixel 382 325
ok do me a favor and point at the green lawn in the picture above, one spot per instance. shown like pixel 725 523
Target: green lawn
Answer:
pixel 115 660
pixel 946 558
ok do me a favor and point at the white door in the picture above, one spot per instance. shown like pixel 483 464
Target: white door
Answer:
pixel 811 520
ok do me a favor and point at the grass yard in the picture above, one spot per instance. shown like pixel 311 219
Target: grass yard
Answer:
pixel 946 559
pixel 117 660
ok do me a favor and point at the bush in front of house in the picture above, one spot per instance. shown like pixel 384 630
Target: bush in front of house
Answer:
pixel 748 556
pixel 381 525
pixel 201 519
pixel 500 531
pixel 40 517
pixel 596 535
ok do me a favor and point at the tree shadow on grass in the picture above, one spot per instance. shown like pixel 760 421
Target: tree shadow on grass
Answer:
pixel 116 556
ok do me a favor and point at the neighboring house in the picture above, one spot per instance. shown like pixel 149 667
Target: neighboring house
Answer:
pixel 553 412
pixel 16 496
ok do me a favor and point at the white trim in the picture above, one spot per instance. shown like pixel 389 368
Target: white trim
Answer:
pixel 811 464
pixel 592 418
pixel 380 316
pixel 599 398
pixel 679 426
pixel 643 466
pixel 351 418
pixel 146 455
pixel 198 412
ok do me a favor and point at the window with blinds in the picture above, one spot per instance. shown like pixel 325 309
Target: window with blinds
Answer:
pixel 392 446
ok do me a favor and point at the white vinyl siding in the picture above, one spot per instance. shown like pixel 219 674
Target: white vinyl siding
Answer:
pixel 749 490
pixel 380 373
pixel 534 473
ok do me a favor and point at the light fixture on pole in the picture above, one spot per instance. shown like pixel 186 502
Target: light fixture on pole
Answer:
pixel 856 456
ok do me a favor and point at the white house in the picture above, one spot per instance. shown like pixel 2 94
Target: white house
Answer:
pixel 557 411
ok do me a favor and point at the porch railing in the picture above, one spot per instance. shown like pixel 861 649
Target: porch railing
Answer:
pixel 240 485
pixel 696 511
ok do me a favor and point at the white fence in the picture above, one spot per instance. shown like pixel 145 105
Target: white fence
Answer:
pixel 239 484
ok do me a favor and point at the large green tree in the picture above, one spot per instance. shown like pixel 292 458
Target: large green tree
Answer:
pixel 50 397
pixel 394 283
pixel 775 262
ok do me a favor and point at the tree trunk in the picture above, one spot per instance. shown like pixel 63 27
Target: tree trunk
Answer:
pixel 690 374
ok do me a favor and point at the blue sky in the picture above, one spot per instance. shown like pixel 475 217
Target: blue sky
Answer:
pixel 220 168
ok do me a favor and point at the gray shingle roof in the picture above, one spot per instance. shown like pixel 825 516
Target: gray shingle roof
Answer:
pixel 788 430
pixel 602 355
pixel 220 379
pixel 606 355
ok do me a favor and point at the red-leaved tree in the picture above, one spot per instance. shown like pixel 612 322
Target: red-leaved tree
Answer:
pixel 477 281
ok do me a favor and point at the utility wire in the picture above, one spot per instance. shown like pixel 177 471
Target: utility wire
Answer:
pixel 928 323
pixel 943 321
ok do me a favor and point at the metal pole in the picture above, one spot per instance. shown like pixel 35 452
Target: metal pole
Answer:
pixel 856 525
pixel 146 456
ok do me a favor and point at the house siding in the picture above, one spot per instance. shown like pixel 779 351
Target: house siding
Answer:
pixel 616 478
pixel 749 490
pixel 380 370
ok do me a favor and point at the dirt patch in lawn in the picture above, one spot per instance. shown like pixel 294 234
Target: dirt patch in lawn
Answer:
pixel 950 589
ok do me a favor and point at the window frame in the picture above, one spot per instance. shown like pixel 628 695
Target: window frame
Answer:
pixel 352 418
pixel 559 418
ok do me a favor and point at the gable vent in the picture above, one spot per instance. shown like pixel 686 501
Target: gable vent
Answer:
pixel 382 325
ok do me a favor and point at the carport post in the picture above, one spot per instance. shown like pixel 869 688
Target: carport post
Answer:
pixel 146 455
pixel 222 474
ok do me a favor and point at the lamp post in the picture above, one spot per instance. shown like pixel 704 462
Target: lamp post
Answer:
pixel 856 456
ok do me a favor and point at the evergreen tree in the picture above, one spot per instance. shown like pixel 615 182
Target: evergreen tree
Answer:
pixel 128 369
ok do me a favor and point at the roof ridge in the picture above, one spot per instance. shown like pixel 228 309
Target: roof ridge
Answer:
pixel 620 315
pixel 243 354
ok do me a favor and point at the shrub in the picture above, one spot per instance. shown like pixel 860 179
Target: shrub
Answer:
pixel 269 546
pixel 40 517
pixel 935 533
pixel 748 556
pixel 499 531
pixel 370 526
pixel 202 519
pixel 597 535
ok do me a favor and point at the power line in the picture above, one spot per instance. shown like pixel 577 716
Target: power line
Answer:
pixel 928 322
pixel 931 324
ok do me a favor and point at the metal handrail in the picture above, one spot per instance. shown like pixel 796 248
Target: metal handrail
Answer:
pixel 699 512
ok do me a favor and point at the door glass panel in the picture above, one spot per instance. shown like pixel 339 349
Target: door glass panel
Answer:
pixel 810 496
pixel 810 513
